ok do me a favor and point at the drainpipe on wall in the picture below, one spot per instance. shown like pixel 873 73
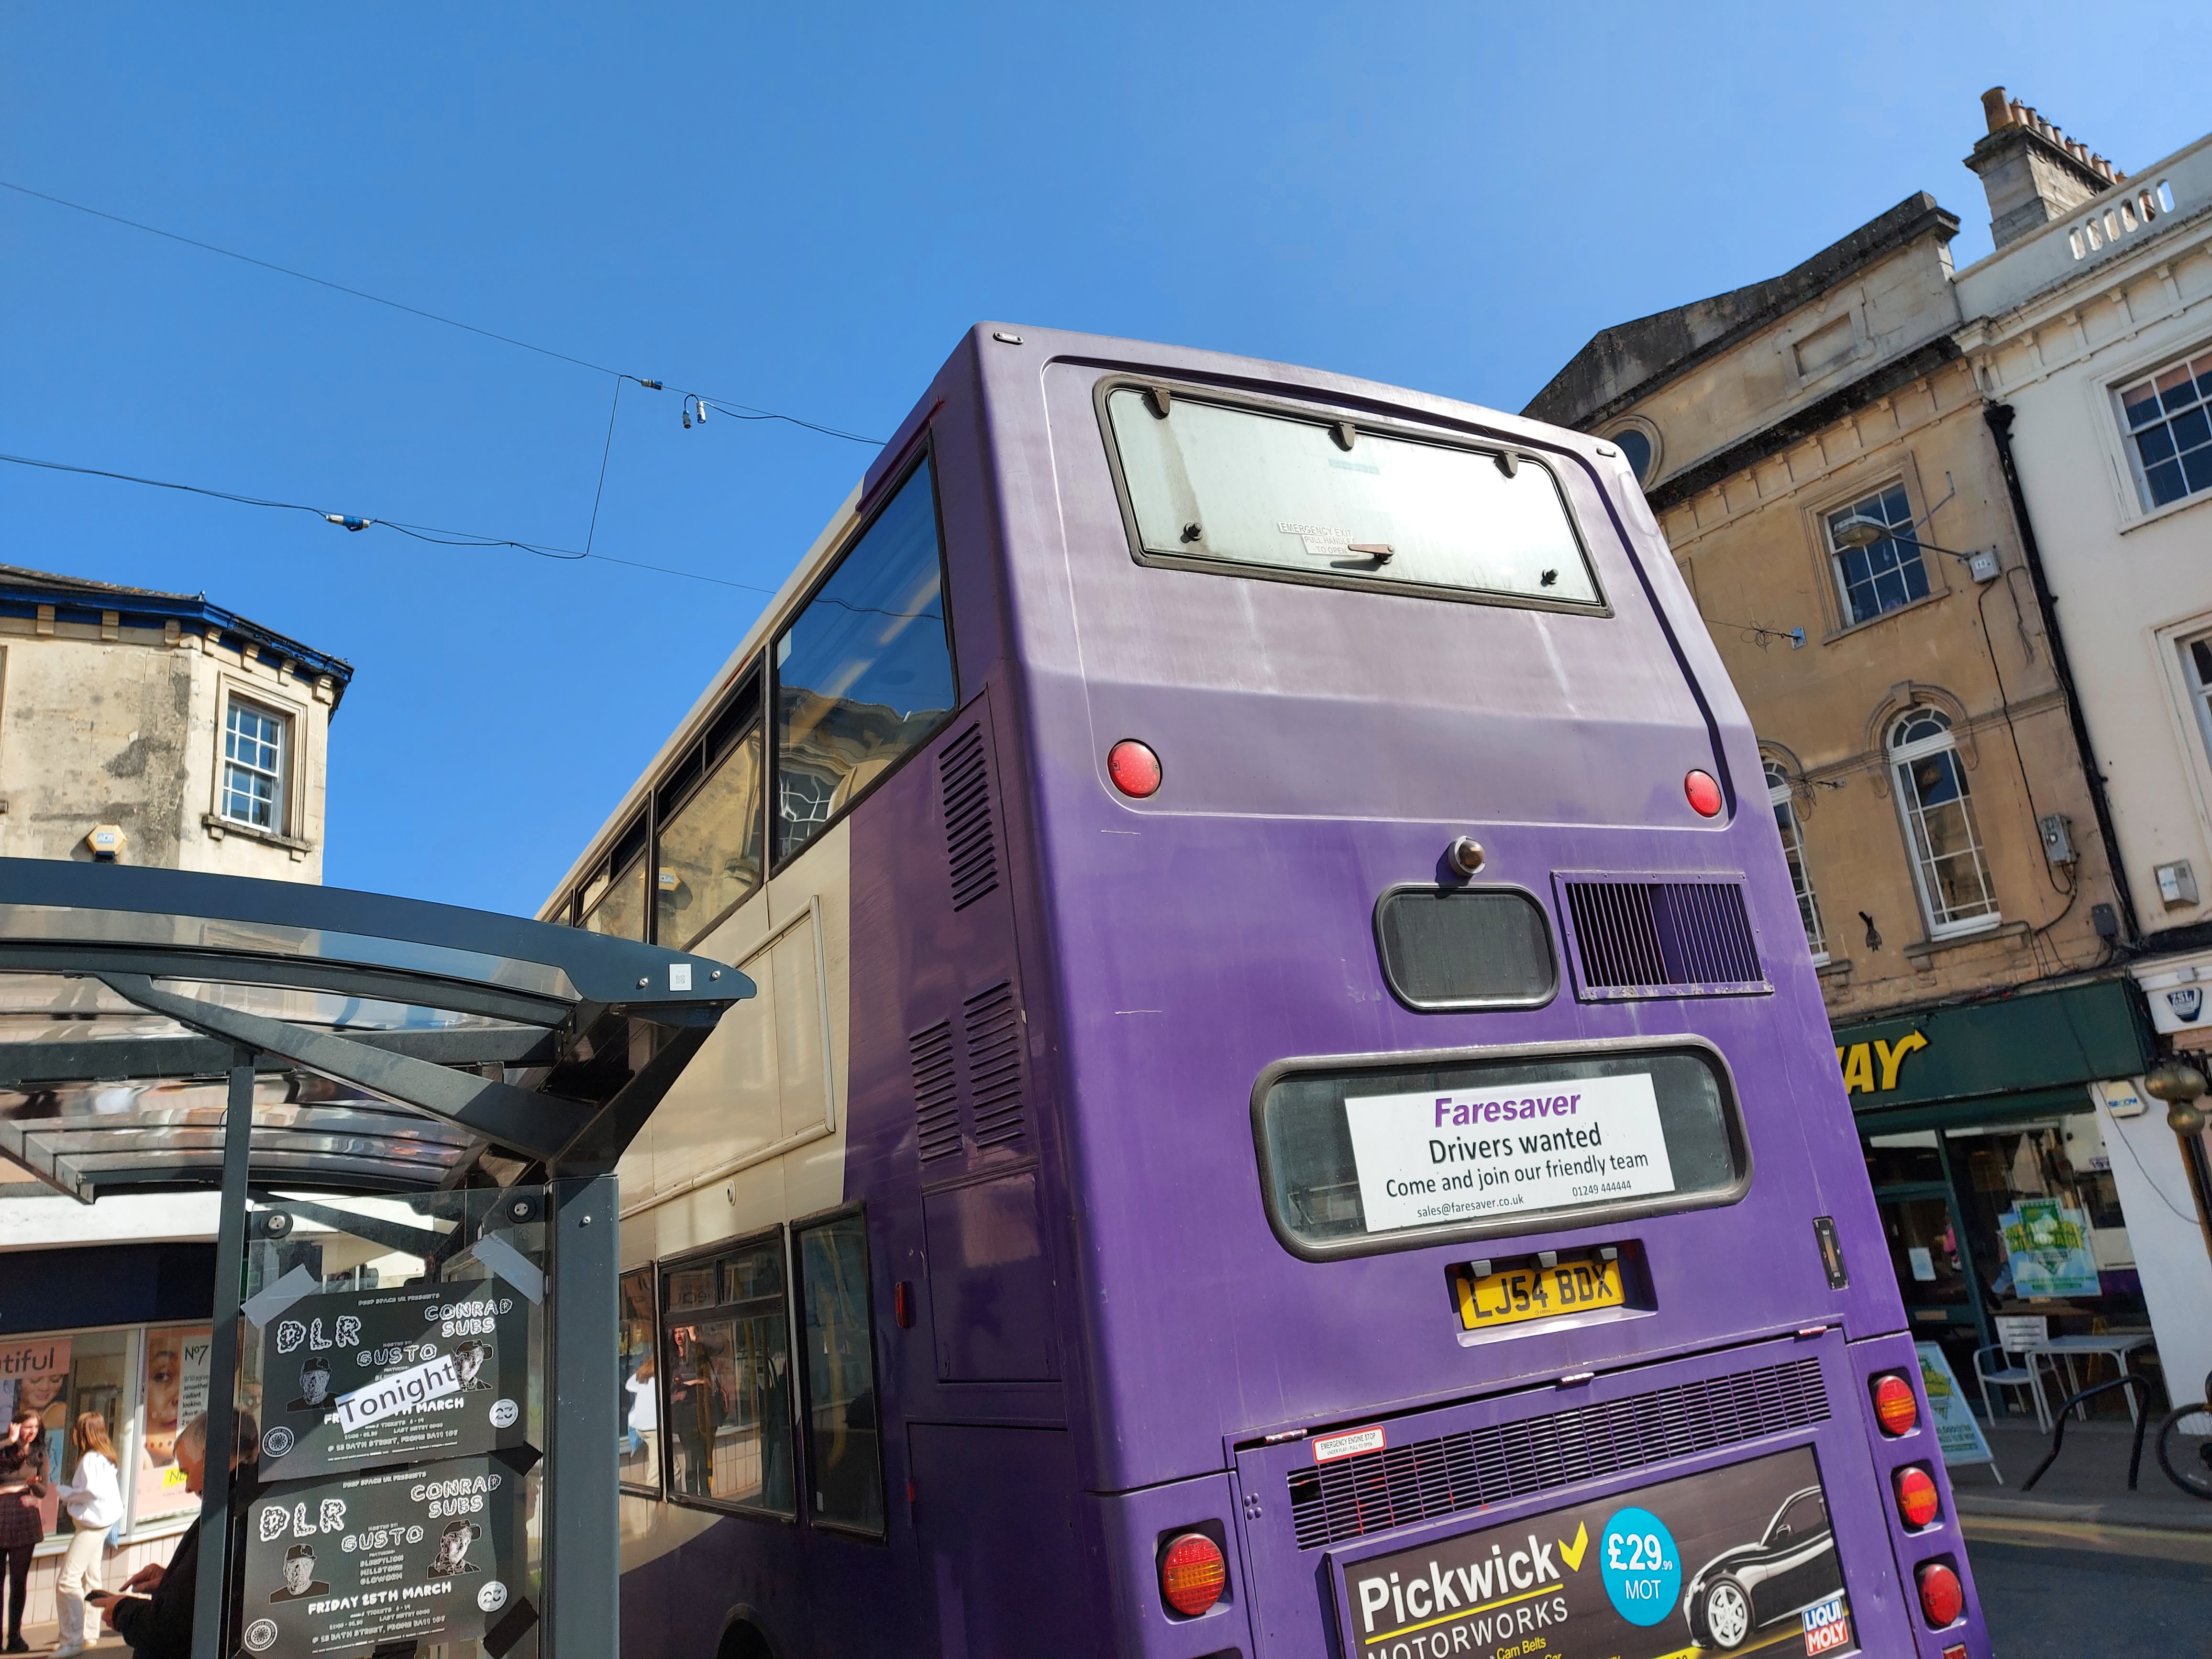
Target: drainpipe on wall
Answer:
pixel 2000 418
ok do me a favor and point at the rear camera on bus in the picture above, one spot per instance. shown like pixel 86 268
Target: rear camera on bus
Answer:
pixel 1135 769
pixel 1705 795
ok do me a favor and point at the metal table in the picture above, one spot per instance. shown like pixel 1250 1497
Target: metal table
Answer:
pixel 2117 1346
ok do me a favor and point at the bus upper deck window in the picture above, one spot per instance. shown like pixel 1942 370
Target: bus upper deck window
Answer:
pixel 1300 498
pixel 863 672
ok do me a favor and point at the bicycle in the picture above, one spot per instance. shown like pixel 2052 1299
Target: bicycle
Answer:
pixel 2185 1445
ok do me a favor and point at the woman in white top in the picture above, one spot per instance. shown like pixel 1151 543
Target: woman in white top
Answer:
pixel 94 1501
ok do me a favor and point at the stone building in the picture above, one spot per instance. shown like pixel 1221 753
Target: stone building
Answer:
pixel 159 729
pixel 1836 478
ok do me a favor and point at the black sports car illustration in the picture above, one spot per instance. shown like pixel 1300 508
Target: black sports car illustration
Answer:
pixel 1792 1566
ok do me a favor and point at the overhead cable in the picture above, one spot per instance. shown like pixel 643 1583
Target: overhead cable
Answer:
pixel 751 412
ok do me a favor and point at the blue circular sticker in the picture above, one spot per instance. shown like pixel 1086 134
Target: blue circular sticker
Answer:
pixel 1642 1568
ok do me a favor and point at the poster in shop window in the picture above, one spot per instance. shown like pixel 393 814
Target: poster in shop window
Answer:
pixel 1740 1558
pixel 354 1378
pixel 345 1565
pixel 175 1390
pixel 2048 1246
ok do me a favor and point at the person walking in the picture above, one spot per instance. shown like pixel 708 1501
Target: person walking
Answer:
pixel 22 1484
pixel 94 1501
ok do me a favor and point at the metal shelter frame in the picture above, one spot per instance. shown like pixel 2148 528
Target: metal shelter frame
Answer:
pixel 164 1030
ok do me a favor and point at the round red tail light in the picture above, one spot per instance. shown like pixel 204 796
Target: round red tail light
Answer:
pixel 1193 1575
pixel 1895 1408
pixel 1705 794
pixel 1942 1597
pixel 1135 769
pixel 1915 1497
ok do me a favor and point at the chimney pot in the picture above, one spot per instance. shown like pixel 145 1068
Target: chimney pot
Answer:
pixel 1997 112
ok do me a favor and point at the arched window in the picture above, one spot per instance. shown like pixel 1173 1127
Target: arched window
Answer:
pixel 1793 849
pixel 1947 863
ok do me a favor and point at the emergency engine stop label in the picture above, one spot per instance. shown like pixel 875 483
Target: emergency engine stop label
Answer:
pixel 1425 1159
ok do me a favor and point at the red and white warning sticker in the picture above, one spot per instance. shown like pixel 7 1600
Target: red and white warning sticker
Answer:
pixel 1328 1448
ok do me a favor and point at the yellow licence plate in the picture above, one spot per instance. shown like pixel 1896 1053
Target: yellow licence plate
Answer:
pixel 1519 1293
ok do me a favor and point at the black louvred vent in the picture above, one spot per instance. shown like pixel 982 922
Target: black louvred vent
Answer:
pixel 1399 1486
pixel 993 1027
pixel 1641 938
pixel 971 848
pixel 936 1092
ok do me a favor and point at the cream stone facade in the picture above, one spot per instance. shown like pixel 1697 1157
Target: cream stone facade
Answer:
pixel 123 709
pixel 1769 414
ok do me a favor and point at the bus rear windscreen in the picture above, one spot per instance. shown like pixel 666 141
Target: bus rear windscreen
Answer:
pixel 1216 483
pixel 1381 1159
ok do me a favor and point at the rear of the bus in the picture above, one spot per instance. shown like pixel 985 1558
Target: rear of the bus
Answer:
pixel 1472 1250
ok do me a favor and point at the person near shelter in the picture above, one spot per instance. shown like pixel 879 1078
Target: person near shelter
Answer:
pixel 94 1501
pixel 154 1613
pixel 22 1484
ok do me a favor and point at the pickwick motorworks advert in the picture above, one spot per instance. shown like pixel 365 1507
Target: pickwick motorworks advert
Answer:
pixel 1738 1559
pixel 354 1378
pixel 346 1565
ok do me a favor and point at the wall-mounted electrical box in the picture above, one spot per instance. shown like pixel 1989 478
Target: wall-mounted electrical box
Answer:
pixel 1983 567
pixel 2057 831
pixel 2177 882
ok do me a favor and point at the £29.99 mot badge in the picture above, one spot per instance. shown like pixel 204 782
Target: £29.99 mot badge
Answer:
pixel 356 1378
pixel 1740 1558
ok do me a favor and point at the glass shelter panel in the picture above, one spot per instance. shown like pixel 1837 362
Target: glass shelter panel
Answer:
pixel 844 1456
pixel 727 1349
pixel 865 672
pixel 1211 482
pixel 392 1359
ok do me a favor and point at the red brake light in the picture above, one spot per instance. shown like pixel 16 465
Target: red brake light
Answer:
pixel 1895 1408
pixel 1193 1575
pixel 1942 1597
pixel 1705 795
pixel 1135 769
pixel 1915 1497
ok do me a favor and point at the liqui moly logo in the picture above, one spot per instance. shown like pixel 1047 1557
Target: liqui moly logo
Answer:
pixel 1827 1626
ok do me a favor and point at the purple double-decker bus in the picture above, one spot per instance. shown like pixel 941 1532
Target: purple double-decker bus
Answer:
pixel 1288 1112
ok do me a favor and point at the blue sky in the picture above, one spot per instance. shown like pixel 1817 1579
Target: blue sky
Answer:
pixel 802 209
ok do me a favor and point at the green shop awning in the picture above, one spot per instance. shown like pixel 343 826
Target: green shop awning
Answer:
pixel 2044 1043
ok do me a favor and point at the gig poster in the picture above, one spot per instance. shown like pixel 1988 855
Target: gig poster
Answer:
pixel 354 1378
pixel 345 1565
pixel 1738 1559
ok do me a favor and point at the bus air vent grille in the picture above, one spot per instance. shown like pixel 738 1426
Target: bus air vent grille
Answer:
pixel 1399 1486
pixel 970 844
pixel 936 1092
pixel 995 1065
pixel 1655 939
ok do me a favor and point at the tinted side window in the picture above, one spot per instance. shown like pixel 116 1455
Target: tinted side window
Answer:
pixel 637 1449
pixel 728 1388
pixel 710 848
pixel 844 1460
pixel 864 673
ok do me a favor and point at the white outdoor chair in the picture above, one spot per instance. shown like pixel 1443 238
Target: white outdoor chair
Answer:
pixel 2016 1336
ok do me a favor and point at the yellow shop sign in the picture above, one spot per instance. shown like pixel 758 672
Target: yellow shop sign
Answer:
pixel 1859 1060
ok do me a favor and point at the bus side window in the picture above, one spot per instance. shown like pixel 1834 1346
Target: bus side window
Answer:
pixel 637 1449
pixel 845 1467
pixel 726 1346
pixel 864 673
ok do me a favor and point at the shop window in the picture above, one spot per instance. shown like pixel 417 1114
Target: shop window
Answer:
pixel 174 1386
pixel 844 1456
pixel 725 1390
pixel 637 1451
pixel 1778 795
pixel 1949 865
pixel 863 672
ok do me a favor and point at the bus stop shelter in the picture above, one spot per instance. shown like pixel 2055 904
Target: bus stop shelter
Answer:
pixel 412 1113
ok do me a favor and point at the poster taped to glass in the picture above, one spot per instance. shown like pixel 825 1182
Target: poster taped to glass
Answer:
pixel 354 1378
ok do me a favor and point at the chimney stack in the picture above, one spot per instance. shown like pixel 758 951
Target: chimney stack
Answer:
pixel 2031 172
